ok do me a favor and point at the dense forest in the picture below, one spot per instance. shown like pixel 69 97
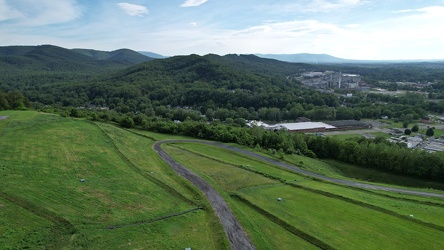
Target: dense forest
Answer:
pixel 217 87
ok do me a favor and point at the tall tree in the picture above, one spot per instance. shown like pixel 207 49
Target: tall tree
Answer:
pixel 430 132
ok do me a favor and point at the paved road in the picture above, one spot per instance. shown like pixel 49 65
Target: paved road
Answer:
pixel 237 236
pixel 308 173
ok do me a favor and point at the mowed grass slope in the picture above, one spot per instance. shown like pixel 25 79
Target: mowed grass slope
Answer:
pixel 226 178
pixel 341 224
pixel 21 229
pixel 341 217
pixel 42 160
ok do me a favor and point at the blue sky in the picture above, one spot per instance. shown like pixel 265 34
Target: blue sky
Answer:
pixel 353 29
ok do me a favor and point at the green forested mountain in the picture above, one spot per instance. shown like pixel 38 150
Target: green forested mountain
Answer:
pixel 121 55
pixel 53 58
pixel 202 82
pixel 230 86
pixel 31 67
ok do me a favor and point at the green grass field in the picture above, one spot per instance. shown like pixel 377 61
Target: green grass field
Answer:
pixel 128 192
pixel 43 157
pixel 340 217
pixel 22 229
pixel 341 224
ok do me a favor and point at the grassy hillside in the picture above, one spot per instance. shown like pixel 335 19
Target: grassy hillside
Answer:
pixel 126 187
pixel 314 213
pixel 131 199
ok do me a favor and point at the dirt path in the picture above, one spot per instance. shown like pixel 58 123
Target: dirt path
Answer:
pixel 237 236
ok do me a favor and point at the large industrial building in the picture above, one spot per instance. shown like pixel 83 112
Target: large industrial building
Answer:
pixel 313 127
pixel 306 127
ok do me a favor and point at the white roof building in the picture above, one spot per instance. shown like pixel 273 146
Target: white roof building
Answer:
pixel 304 126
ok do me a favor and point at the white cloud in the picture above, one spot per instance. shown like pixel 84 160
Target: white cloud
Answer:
pixel 379 40
pixel 326 5
pixel 133 9
pixel 432 11
pixel 290 28
pixel 403 11
pixel 310 6
pixel 192 3
pixel 39 12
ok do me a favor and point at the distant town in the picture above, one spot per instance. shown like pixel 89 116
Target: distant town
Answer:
pixel 328 80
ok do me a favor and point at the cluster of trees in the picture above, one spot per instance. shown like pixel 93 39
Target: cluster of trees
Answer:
pixel 13 100
pixel 380 154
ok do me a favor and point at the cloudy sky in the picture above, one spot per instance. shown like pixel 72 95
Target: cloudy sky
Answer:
pixel 353 29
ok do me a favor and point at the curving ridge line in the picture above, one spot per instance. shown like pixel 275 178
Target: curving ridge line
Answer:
pixel 236 235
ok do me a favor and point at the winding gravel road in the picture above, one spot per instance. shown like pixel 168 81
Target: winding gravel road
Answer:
pixel 237 236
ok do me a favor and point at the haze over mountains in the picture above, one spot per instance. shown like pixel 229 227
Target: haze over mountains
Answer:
pixel 305 58
pixel 30 54
pixel 151 54
pixel 328 59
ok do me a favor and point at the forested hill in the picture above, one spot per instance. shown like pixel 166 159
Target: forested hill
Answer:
pixel 34 66
pixel 121 55
pixel 258 65
pixel 197 81
pixel 202 82
pixel 53 58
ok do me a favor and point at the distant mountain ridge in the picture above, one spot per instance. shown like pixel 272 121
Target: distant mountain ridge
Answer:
pixel 306 58
pixel 116 55
pixel 328 59
pixel 152 55
pixel 54 58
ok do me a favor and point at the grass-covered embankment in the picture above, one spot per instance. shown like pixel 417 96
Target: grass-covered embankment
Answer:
pixel 42 160
pixel 324 214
